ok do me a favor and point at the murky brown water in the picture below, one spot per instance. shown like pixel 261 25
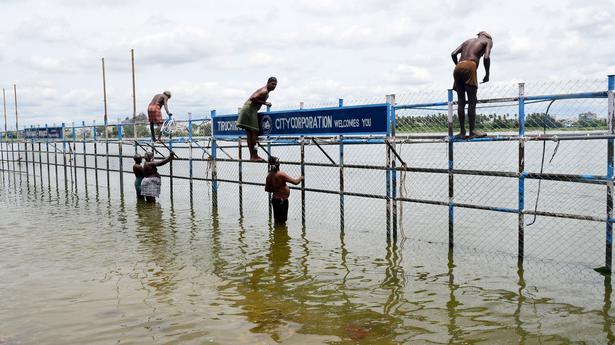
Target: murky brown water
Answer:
pixel 99 268
pixel 87 265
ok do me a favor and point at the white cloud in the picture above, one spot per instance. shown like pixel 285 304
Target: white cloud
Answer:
pixel 107 4
pixel 407 74
pixel 179 46
pixel 516 48
pixel 50 29
pixel 158 21
pixel 47 64
pixel 260 59
pixel 214 54
pixel 339 7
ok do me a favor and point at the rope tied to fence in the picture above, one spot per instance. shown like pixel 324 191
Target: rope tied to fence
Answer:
pixel 402 192
pixel 542 162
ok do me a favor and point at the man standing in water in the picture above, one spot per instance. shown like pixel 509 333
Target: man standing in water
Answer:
pixel 137 169
pixel 466 81
pixel 276 184
pixel 248 115
pixel 154 113
pixel 150 186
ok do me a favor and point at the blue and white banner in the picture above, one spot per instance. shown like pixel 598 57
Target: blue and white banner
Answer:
pixel 50 132
pixel 352 120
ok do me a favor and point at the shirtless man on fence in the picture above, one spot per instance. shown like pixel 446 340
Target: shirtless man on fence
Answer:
pixel 466 81
pixel 248 115
pixel 276 184
pixel 154 113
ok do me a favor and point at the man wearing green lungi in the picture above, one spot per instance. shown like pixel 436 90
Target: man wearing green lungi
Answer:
pixel 248 115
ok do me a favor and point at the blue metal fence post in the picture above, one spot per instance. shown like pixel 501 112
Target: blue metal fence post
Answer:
pixel 55 159
pixel 106 129
pixel 47 155
pixel 521 206
pixel 6 135
pixel 2 152
pixel 11 157
pixel 190 151
pixel 33 150
pixel 85 157
pixel 341 167
pixel 2 134
pixel 391 101
pixel 341 172
pixel 302 161
pixel 240 175
pixel 40 158
pixel 388 170
pixel 26 156
pixel 95 135
pixel 269 195
pixel 121 157
pixel 609 190
pixel 64 156
pixel 13 154
pixel 74 135
pixel 214 173
pixel 171 168
pixel 451 175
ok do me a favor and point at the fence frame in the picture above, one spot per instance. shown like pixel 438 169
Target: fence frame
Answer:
pixel 391 168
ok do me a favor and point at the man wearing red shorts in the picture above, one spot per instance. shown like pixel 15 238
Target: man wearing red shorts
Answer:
pixel 155 115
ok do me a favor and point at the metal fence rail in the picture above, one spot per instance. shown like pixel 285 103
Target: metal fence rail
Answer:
pixel 540 185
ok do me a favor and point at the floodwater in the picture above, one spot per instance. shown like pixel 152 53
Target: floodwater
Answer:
pixel 93 266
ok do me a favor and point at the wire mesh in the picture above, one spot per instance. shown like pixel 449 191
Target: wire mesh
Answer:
pixel 350 189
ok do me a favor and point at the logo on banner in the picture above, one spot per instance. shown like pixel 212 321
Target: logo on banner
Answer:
pixel 266 124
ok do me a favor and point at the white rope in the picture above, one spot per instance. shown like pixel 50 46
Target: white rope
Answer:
pixel 402 194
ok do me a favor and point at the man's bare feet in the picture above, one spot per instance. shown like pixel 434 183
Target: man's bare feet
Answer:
pixel 477 134
pixel 461 135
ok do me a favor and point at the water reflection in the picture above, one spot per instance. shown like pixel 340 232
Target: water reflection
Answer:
pixel 281 298
pixel 521 300
pixel 454 331
pixel 606 310
pixel 157 242
pixel 284 283
pixel 263 305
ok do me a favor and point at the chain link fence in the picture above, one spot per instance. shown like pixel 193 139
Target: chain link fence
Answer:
pixel 535 187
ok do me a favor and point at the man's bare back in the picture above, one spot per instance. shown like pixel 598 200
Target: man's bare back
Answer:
pixel 276 180
pixel 276 183
pixel 150 167
pixel 160 100
pixel 475 48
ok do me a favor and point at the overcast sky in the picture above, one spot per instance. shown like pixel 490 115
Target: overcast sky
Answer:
pixel 213 54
